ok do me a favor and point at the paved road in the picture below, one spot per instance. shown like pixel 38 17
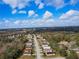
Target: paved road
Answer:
pixel 37 49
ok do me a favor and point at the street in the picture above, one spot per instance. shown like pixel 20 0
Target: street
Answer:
pixel 37 49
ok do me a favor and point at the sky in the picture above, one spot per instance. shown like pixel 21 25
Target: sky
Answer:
pixel 38 13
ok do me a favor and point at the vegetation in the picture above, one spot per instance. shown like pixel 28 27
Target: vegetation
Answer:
pixel 72 55
pixel 72 38
pixel 11 46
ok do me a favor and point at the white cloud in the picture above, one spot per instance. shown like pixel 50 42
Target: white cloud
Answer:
pixel 70 14
pixel 41 5
pixel 12 3
pixel 55 3
pixel 14 11
pixel 45 22
pixel 58 3
pixel 71 18
pixel 37 2
pixel 17 22
pixel 17 3
pixel 24 23
pixel 73 2
pixel 46 19
pixel 31 13
pixel 38 23
pixel 22 12
pixel 6 21
pixel 36 15
pixel 21 5
pixel 47 15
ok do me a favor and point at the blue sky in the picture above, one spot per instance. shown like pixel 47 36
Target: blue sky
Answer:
pixel 38 13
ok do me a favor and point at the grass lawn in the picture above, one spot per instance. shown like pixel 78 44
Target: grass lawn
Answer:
pixel 27 57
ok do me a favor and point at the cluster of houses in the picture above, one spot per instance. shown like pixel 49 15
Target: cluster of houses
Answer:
pixel 46 48
pixel 29 46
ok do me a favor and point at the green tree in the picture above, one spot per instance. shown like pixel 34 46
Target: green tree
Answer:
pixel 72 55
